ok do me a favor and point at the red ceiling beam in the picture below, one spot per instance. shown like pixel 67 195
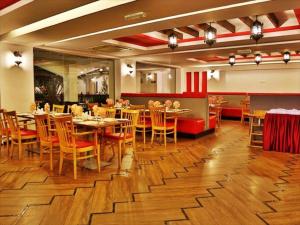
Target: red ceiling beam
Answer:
pixel 6 3
pixel 297 13
pixel 170 31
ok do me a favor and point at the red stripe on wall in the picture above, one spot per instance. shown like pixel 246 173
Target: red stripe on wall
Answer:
pixel 188 82
pixel 196 82
pixel 204 83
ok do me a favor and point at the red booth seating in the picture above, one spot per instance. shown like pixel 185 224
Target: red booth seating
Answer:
pixel 194 126
pixel 190 125
pixel 232 112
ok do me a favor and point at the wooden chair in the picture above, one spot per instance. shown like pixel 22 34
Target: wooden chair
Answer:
pixel 162 125
pixel 143 125
pixel 58 108
pixel 19 136
pixel 216 110
pixel 4 131
pixel 110 112
pixel 245 110
pixel 126 134
pixel 73 148
pixel 47 137
pixel 256 128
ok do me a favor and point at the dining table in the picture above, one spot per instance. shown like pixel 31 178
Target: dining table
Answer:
pixel 282 131
pixel 86 122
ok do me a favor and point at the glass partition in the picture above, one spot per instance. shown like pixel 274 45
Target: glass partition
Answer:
pixel 62 78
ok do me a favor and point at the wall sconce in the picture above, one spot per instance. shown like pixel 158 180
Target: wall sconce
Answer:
pixel 129 69
pixel 17 58
pixel 213 74
pixel 150 77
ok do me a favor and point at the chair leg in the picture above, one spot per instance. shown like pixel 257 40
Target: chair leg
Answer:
pixel 61 160
pixel 175 136
pixel 75 165
pixel 134 144
pixel 0 144
pixel 20 149
pixel 7 143
pixel 152 137
pixel 98 158
pixel 11 150
pixel 51 157
pixel 41 154
pixel 120 154
pixel 144 135
pixel 165 138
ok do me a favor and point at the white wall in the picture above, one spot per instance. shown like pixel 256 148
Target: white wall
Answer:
pixel 258 79
pixel 128 81
pixel 16 83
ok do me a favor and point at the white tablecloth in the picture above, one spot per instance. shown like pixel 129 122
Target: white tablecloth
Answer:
pixel 285 111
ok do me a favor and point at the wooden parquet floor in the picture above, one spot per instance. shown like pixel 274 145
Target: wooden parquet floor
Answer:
pixel 215 179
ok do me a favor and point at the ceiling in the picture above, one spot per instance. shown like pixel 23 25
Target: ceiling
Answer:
pixel 106 31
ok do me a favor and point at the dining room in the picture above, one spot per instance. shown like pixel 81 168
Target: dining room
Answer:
pixel 154 112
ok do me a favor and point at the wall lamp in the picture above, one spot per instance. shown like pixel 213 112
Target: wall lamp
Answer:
pixel 129 69
pixel 17 58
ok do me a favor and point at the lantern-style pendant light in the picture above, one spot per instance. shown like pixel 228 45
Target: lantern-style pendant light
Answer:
pixel 232 60
pixel 258 59
pixel 286 57
pixel 256 30
pixel 172 43
pixel 210 35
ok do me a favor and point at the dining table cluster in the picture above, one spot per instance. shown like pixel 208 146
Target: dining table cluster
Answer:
pixel 82 135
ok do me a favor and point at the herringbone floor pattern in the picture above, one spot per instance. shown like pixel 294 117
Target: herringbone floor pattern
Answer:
pixel 216 179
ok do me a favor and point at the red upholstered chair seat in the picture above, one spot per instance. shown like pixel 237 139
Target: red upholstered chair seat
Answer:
pixel 190 125
pixel 84 144
pixel 147 123
pixel 212 122
pixel 233 112
pixel 28 132
pixel 117 136
pixel 168 125
pixel 54 139
pixel 6 130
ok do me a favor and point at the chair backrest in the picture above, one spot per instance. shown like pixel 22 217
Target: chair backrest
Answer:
pixel 110 113
pixel 43 127
pixel 65 129
pixel 142 113
pixel 158 116
pixel 245 105
pixel 3 123
pixel 12 120
pixel 132 116
pixel 58 108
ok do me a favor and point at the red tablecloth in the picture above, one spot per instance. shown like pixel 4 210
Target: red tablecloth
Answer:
pixel 282 133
